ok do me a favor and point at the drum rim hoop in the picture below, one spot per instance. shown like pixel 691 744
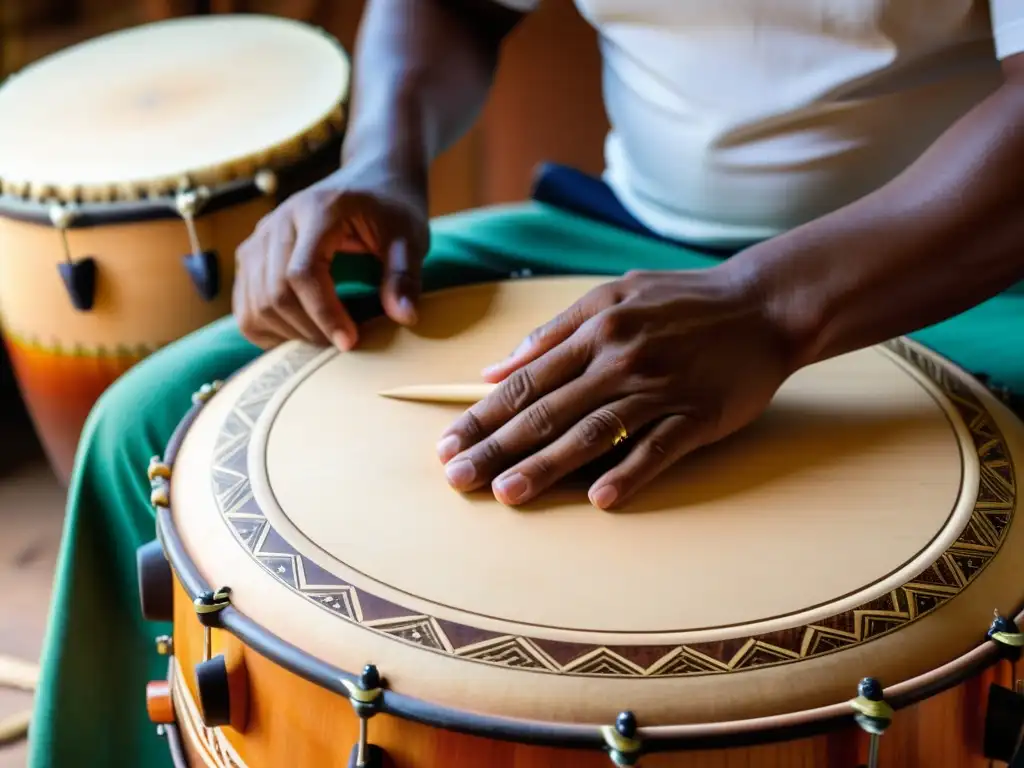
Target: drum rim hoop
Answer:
pixel 662 738
pixel 222 196
pixel 100 203
pixel 760 730
pixel 175 742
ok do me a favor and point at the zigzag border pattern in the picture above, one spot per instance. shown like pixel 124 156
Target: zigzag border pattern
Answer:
pixel 957 567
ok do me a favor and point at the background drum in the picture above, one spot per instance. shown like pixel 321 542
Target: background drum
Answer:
pixel 840 559
pixel 131 167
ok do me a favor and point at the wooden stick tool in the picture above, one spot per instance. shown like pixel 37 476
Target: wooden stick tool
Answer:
pixel 460 394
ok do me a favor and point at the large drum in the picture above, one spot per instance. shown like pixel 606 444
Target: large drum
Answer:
pixel 131 167
pixel 850 562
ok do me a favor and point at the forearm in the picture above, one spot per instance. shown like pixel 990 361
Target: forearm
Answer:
pixel 422 70
pixel 945 235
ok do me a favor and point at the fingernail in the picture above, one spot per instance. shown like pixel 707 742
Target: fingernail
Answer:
pixel 406 307
pixel 460 473
pixel 604 496
pixel 520 350
pixel 514 488
pixel 490 369
pixel 448 447
pixel 340 340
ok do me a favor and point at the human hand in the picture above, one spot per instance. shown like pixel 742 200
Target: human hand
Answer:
pixel 283 288
pixel 676 360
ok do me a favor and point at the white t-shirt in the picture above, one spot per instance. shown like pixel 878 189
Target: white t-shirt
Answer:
pixel 734 120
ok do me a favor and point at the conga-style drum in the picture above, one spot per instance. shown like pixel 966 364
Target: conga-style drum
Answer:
pixel 131 167
pixel 836 585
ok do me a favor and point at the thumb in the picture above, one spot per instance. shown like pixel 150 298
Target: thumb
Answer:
pixel 400 290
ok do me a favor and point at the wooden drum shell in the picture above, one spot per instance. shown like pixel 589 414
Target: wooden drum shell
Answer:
pixel 104 198
pixel 292 721
pixel 300 658
pixel 63 358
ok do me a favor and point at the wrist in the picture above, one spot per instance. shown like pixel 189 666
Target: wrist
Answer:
pixel 788 302
pixel 385 175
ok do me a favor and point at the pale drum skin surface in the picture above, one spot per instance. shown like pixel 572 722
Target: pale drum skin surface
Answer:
pixel 861 528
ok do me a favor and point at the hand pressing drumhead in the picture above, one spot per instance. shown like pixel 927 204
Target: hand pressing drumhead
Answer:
pixel 662 363
pixel 283 288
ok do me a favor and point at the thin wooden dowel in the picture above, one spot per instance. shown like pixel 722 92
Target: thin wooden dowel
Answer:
pixel 461 394
pixel 15 673
pixel 15 727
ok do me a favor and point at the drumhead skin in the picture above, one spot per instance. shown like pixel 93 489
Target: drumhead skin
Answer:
pixel 202 99
pixel 862 527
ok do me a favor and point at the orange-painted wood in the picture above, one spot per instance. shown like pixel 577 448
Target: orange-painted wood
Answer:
pixel 296 723
pixel 59 389
pixel 158 702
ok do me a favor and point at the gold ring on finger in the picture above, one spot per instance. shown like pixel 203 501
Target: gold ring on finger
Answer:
pixel 621 435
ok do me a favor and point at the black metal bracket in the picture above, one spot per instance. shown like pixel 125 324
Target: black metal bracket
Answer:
pixel 156 582
pixel 80 282
pixel 1004 723
pixel 204 269
pixel 213 691
pixel 374 757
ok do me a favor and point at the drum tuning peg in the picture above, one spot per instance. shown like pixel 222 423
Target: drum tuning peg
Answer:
pixel 159 705
pixel 156 582
pixel 372 758
pixel 873 715
pixel 266 181
pixel 213 690
pixel 1010 639
pixel 365 697
pixel 159 483
pixel 621 740
pixel 222 685
pixel 212 674
pixel 203 268
pixel 79 276
pixel 369 680
pixel 1004 724
pixel 205 392
pixel 80 282
pixel 190 202
pixel 365 693
pixel 62 216
pixel 207 606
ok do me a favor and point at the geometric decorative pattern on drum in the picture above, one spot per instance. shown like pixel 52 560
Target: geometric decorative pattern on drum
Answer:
pixel 215 747
pixel 954 570
pixel 33 343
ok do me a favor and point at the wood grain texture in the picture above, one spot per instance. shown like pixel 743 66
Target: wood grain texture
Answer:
pixel 296 723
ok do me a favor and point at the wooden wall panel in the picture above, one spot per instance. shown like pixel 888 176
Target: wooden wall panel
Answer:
pixel 546 103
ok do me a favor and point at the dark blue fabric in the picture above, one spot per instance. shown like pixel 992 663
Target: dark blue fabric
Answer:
pixel 572 190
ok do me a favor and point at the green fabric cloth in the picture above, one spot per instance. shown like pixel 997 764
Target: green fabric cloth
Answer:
pixel 99 652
